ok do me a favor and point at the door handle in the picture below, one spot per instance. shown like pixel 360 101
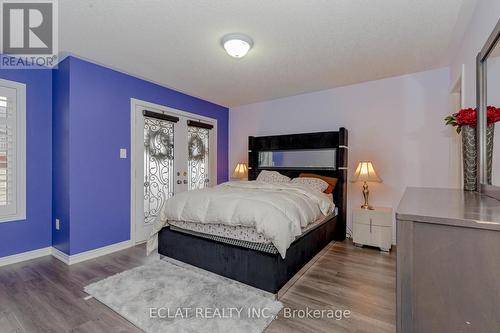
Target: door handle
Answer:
pixel 370 225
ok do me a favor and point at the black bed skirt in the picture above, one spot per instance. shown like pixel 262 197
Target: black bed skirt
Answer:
pixel 262 270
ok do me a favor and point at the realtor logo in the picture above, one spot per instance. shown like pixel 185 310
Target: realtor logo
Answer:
pixel 28 34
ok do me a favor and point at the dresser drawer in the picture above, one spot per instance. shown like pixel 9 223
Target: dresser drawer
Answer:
pixel 374 217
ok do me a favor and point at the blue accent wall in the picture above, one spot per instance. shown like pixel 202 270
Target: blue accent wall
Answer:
pixel 35 232
pixel 60 145
pixel 97 180
pixel 78 117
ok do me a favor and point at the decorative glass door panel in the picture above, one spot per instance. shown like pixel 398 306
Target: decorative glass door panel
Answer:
pixel 198 157
pixel 158 165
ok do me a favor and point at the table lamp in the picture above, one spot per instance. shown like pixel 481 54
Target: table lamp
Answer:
pixel 366 173
pixel 241 171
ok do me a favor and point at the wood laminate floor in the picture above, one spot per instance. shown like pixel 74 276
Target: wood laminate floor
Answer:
pixel 45 295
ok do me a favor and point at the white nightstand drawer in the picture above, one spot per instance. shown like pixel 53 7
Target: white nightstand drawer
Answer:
pixel 373 236
pixel 379 217
pixel 361 234
pixel 373 227
pixel 381 237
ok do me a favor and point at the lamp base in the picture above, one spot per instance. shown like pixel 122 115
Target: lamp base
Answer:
pixel 366 193
pixel 367 207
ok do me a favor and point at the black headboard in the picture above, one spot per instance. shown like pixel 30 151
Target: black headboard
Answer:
pixel 309 141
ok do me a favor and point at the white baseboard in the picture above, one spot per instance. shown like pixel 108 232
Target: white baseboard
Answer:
pixel 91 254
pixel 58 254
pixel 15 258
pixel 65 258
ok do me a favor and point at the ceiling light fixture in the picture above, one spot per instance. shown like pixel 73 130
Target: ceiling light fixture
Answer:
pixel 237 45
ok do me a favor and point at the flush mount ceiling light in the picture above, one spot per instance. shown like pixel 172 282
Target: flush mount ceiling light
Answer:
pixel 237 45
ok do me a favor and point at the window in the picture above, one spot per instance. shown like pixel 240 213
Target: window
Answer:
pixel 12 151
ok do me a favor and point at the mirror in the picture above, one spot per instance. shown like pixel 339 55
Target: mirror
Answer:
pixel 303 159
pixel 488 115
pixel 493 128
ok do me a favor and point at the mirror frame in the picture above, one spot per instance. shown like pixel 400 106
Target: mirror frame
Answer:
pixel 481 96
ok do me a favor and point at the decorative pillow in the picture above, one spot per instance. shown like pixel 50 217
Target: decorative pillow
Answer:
pixel 315 183
pixel 330 180
pixel 272 177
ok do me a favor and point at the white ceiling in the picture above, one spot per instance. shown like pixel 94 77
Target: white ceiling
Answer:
pixel 300 45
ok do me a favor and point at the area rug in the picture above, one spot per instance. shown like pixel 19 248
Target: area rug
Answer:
pixel 168 296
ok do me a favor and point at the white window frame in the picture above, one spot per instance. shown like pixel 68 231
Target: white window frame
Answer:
pixel 18 213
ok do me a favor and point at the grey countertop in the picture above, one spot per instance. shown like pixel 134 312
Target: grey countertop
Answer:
pixel 449 207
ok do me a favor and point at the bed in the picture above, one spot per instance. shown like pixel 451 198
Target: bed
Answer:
pixel 252 259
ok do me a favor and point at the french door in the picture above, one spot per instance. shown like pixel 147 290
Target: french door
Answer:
pixel 173 152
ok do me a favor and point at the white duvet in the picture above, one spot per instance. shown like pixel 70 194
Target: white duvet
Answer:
pixel 277 210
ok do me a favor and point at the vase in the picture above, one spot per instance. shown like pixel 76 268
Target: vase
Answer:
pixel 490 133
pixel 470 149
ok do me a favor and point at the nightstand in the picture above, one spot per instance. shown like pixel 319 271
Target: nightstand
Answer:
pixel 372 227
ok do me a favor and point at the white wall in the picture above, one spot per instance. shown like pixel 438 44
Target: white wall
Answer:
pixel 397 123
pixel 482 23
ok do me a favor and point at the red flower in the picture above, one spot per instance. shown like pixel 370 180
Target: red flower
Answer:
pixel 466 117
pixel 493 114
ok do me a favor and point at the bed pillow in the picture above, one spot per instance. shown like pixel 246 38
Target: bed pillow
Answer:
pixel 330 180
pixel 272 177
pixel 315 183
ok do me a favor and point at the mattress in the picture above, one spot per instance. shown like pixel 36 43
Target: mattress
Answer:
pixel 238 235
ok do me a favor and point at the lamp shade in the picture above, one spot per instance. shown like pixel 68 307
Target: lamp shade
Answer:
pixel 241 171
pixel 365 172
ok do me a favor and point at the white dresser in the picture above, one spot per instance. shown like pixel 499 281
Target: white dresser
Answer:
pixel 373 227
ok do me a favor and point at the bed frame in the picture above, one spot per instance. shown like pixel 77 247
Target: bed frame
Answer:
pixel 263 270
